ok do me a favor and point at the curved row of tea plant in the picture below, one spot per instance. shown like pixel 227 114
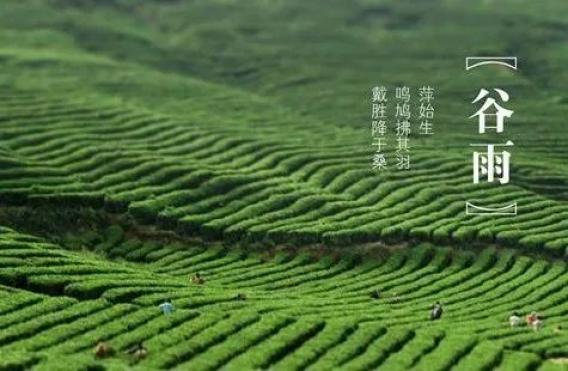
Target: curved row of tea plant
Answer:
pixel 216 183
pixel 299 312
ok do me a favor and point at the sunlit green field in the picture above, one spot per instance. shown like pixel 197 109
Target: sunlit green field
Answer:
pixel 144 141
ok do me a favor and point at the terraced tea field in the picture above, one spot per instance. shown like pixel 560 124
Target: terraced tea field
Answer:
pixel 299 312
pixel 144 141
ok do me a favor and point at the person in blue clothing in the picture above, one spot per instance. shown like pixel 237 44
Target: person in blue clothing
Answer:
pixel 167 307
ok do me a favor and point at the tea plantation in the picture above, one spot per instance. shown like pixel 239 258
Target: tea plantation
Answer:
pixel 144 141
pixel 297 311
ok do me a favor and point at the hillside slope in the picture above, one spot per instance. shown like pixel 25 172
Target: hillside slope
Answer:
pixel 100 101
pixel 298 312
